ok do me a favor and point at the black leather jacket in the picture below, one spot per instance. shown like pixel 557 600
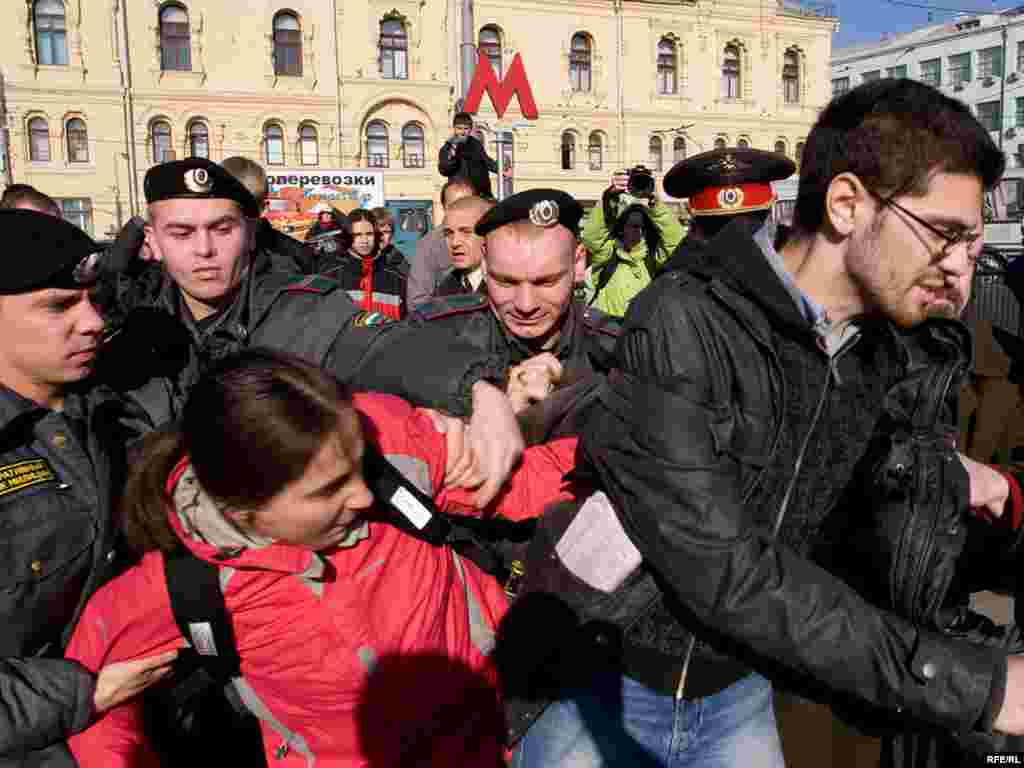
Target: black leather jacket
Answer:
pixel 693 442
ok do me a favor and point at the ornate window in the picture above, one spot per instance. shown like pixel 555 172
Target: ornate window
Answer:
pixel 160 141
pixel 720 143
pixel 393 50
pixel 175 39
pixel 667 66
pixel 791 76
pixel 287 45
pixel 198 139
pixel 273 144
pixel 743 144
pixel 77 210
pixel 309 145
pixel 780 147
pixel 38 140
pixel 579 62
pixel 731 72
pixel 568 151
pixel 51 32
pixel 678 149
pixel 490 44
pixel 413 150
pixel 595 151
pixel 657 160
pixel 376 145
pixel 78 141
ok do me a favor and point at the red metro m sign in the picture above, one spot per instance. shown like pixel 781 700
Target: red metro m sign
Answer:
pixel 501 92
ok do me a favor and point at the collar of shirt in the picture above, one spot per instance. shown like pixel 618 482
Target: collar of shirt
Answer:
pixel 813 312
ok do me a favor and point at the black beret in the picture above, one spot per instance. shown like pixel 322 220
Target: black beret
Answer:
pixel 197 178
pixel 727 181
pixel 544 207
pixel 45 252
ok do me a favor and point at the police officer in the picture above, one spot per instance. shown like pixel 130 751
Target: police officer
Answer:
pixel 531 335
pixel 723 185
pixel 60 469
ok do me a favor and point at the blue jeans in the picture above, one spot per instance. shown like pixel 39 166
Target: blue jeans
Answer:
pixel 619 722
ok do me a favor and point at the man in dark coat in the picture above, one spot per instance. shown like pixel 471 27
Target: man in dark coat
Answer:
pixel 463 155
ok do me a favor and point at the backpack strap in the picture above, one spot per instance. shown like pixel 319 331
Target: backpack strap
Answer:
pixel 606 274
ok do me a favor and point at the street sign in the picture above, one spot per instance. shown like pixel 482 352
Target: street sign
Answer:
pixel 501 92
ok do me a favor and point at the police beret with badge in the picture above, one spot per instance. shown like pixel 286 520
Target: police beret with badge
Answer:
pixel 542 207
pixel 723 182
pixel 51 253
pixel 197 179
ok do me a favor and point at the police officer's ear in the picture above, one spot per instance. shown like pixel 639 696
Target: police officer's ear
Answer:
pixel 580 263
pixel 151 241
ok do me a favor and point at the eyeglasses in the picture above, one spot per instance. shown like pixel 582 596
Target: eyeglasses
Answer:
pixel 962 237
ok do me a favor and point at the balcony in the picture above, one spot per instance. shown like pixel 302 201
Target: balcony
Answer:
pixel 822 10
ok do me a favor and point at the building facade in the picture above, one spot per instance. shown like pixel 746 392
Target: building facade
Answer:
pixel 978 59
pixel 97 91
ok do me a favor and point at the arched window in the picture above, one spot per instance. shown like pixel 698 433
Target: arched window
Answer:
pixel 791 77
pixel 743 144
pixel 678 149
pixel 160 141
pixel 38 140
pixel 393 50
pixel 490 44
pixel 731 72
pixel 51 32
pixel 376 145
pixel 413 150
pixel 780 147
pixel 568 151
pixel 666 66
pixel 78 141
pixel 579 63
pixel 798 152
pixel 657 159
pixel 309 145
pixel 273 144
pixel 175 44
pixel 720 143
pixel 595 151
pixel 198 139
pixel 287 45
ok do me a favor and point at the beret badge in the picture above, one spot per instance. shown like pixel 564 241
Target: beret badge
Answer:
pixel 198 181
pixel 544 213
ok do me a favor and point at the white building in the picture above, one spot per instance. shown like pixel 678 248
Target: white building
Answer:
pixel 978 59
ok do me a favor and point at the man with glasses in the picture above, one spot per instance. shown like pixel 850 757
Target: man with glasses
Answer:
pixel 746 395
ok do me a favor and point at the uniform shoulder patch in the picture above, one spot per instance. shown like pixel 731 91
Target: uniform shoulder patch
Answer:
pixel 456 304
pixel 369 319
pixel 19 475
pixel 600 322
pixel 310 284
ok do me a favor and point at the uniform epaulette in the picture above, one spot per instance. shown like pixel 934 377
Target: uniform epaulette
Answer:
pixel 310 284
pixel 366 319
pixel 455 304
pixel 601 322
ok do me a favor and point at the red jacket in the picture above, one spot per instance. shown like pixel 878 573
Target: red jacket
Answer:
pixel 385 654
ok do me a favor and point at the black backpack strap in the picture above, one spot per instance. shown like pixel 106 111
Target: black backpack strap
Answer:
pixel 606 274
pixel 198 606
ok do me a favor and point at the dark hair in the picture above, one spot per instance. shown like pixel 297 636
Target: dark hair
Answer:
pixel 383 215
pixel 251 425
pixel 458 181
pixel 18 194
pixel 462 118
pixel 893 134
pixel 651 234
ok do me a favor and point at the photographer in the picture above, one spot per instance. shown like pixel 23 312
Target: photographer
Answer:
pixel 627 239
pixel 328 240
pixel 463 155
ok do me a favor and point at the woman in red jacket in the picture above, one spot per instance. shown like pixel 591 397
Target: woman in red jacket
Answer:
pixel 359 645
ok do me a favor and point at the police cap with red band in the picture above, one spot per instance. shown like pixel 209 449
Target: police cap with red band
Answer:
pixel 728 181
pixel 47 252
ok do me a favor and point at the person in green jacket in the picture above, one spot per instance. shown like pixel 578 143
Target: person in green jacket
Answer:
pixel 629 238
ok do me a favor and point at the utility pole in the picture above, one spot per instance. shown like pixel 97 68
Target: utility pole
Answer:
pixel 468 50
pixel 5 135
pixel 1002 90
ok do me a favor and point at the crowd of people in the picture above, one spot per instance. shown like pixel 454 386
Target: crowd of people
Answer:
pixel 559 489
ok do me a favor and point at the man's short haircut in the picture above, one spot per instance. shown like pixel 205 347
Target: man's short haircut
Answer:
pixel 481 204
pixel 383 216
pixel 458 182
pixel 17 195
pixel 462 118
pixel 894 135
pixel 251 174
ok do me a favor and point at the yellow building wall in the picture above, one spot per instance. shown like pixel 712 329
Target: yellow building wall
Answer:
pixel 233 90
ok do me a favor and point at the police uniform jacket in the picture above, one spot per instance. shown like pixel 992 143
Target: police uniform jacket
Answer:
pixel 59 473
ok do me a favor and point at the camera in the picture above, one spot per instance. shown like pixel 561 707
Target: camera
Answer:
pixel 640 182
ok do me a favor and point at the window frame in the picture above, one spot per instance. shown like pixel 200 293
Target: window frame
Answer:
pixel 305 141
pixel 656 154
pixel 890 72
pixel 80 215
pixel 383 158
pixel 287 45
pixel 678 143
pixel 53 38
pixel 491 48
pixel 731 68
pixel 160 154
pixel 568 150
pixel 193 135
pixel 953 69
pixel 595 147
pixel 667 67
pixel 581 60
pixel 278 139
pixel 989 119
pixel 989 61
pixel 836 91
pixel 77 138
pixel 791 76
pixel 393 47
pixel 174 39
pixel 936 81
pixel 785 147
pixel 35 139
pixel 416 161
